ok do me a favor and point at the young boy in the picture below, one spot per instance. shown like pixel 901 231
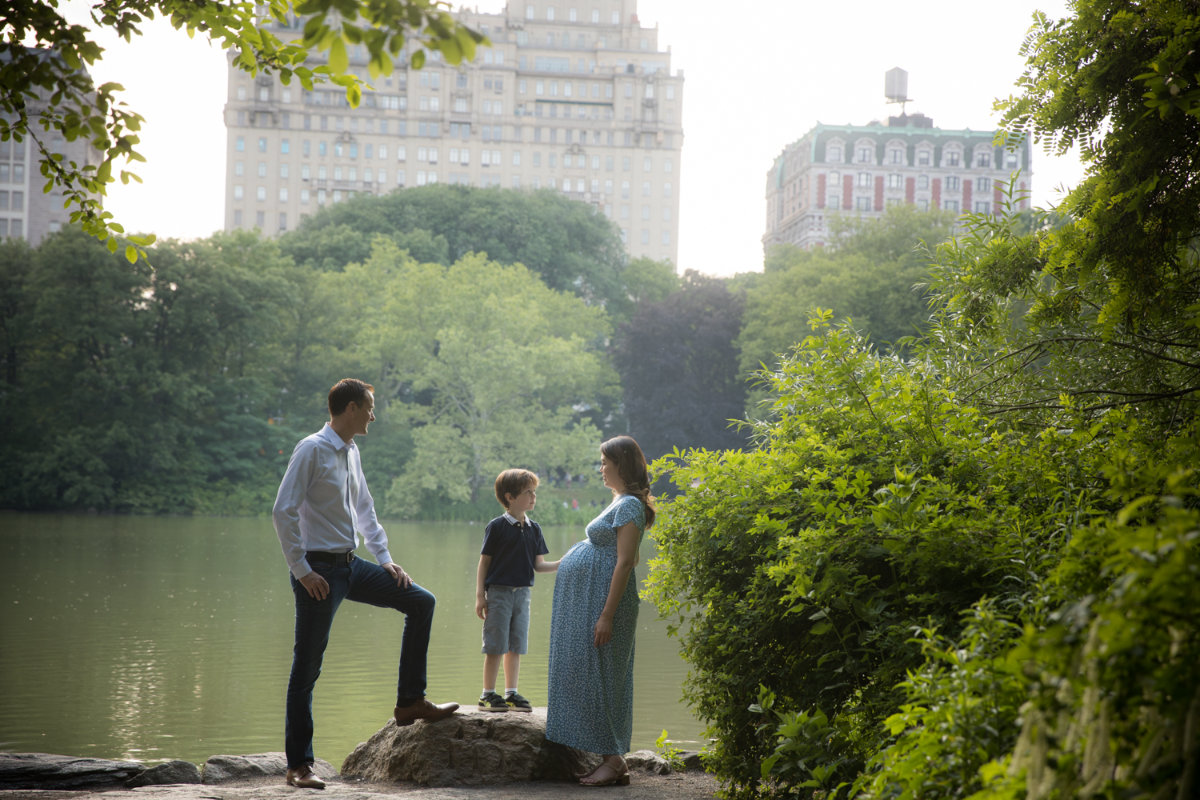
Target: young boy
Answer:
pixel 512 552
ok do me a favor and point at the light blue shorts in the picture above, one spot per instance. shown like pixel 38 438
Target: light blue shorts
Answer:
pixel 506 627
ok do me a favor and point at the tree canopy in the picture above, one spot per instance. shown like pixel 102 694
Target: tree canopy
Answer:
pixel 45 87
pixel 679 371
pixel 871 275
pixel 483 364
pixel 571 245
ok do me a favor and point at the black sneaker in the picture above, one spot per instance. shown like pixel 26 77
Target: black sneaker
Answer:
pixel 516 702
pixel 490 701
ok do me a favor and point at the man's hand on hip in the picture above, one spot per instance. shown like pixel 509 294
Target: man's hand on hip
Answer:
pixel 316 586
pixel 402 579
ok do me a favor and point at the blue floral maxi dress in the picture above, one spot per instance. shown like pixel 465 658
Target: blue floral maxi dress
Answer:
pixel 590 702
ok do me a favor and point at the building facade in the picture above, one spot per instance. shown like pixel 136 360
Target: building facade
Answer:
pixel 574 96
pixel 862 170
pixel 26 211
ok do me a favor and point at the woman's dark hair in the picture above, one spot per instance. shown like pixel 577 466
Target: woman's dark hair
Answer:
pixel 625 454
pixel 345 392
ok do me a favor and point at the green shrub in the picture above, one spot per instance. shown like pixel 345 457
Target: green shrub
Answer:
pixel 874 506
pixel 1113 687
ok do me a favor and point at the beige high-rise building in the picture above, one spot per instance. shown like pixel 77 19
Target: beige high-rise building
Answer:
pixel 26 211
pixel 573 95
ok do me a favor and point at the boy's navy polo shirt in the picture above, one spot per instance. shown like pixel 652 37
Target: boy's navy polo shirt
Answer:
pixel 514 550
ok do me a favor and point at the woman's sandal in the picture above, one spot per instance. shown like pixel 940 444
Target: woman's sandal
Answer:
pixel 614 777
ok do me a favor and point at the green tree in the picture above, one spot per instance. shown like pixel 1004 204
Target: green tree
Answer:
pixel 646 281
pixel 146 390
pixel 678 366
pixel 45 88
pixel 483 367
pixel 1121 79
pixel 572 246
pixel 870 274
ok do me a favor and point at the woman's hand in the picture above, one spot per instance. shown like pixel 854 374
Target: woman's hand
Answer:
pixel 602 633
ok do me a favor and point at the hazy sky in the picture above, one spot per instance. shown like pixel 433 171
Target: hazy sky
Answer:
pixel 758 74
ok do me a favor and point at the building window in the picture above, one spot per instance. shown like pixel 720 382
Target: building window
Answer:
pixel 924 158
pixel 983 184
pixel 953 158
pixel 238 191
pixel 864 179
pixel 865 154
pixel 262 144
pixel 895 181
pixel 260 194
pixel 833 152
pixel 950 205
pixel 922 181
pixel 953 182
pixel 983 160
pixel 862 203
pixel 239 144
pixel 896 156
pixel 983 207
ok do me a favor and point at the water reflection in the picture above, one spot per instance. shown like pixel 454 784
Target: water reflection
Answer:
pixel 156 638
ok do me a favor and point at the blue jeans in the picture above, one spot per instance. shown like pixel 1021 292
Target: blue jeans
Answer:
pixel 364 582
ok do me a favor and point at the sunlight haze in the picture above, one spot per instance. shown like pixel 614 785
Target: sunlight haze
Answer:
pixel 757 76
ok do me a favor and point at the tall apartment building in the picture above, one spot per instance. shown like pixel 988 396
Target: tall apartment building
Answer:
pixel 26 212
pixel 574 96
pixel 861 170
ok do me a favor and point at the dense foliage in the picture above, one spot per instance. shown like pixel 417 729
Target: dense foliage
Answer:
pixel 46 91
pixel 874 505
pixel 973 573
pixel 570 245
pixel 678 367
pixel 870 274
pixel 181 384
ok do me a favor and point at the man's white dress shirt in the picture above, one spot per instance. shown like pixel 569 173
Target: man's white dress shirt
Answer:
pixel 323 502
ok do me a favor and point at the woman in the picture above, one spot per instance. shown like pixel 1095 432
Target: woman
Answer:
pixel 593 621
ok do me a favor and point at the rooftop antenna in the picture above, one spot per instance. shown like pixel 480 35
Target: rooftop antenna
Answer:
pixel 895 87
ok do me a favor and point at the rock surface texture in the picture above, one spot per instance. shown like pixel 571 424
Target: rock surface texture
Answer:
pixel 47 771
pixel 470 748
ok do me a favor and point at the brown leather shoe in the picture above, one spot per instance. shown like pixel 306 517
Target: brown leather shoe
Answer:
pixel 423 709
pixel 304 778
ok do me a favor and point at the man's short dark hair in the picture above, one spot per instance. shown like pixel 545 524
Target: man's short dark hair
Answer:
pixel 345 392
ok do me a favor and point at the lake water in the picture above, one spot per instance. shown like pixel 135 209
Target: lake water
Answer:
pixel 153 638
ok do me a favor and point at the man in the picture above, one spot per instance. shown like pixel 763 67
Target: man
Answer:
pixel 323 506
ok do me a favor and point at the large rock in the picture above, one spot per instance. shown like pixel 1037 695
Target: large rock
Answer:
pixel 46 771
pixel 224 769
pixel 472 747
pixel 165 774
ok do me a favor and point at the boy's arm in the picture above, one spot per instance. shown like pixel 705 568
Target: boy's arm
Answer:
pixel 540 564
pixel 485 562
